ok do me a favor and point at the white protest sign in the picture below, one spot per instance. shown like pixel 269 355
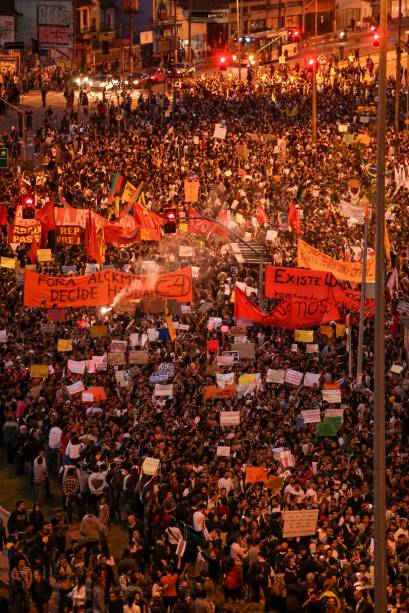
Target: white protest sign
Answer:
pixel 150 466
pixel 275 376
pixel 77 367
pixel 311 379
pixel 75 388
pixel 87 397
pixel 225 360
pixel 3 336
pixel 300 523
pixel 293 377
pixel 334 413
pixel 163 390
pixel 312 348
pixel 118 346
pixel 229 418
pixel 331 396
pixel 396 368
pixel 287 459
pixel 219 132
pixel 185 251
pixel 311 416
pixel 226 379
pixel 223 451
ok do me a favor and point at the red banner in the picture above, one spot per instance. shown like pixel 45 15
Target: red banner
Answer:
pixel 102 288
pixel 24 233
pixel 69 235
pixel 282 282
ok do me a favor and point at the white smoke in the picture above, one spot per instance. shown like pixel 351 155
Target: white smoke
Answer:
pixel 149 268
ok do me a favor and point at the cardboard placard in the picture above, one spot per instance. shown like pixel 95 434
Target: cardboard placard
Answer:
pixel 223 451
pixel 293 377
pixel 139 357
pixel 116 359
pixel 118 346
pixel 229 418
pixel 98 331
pixel 39 371
pixel 64 345
pixel 275 376
pixel 246 351
pixel 300 523
pixel 150 466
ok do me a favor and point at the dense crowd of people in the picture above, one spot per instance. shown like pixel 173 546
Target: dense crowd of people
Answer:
pixel 201 538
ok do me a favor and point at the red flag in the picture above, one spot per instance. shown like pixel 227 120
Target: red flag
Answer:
pixel 247 309
pixel 32 254
pixel 94 239
pixel 46 216
pixel 3 215
pixel 202 226
pixel 292 313
pixel 293 219
pixel 261 215
pixel 395 325
pixel 213 346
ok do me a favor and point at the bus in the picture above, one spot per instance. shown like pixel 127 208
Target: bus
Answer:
pixel 259 47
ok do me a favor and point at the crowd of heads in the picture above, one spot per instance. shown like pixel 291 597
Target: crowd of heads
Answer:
pixel 200 536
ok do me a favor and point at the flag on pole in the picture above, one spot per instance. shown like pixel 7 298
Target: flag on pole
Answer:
pixel 169 321
pixel 387 245
pixel 32 254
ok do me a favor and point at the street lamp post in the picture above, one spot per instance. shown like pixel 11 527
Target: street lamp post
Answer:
pixel 380 578
pixel 241 240
pixel 362 306
pixel 313 63
pixel 398 83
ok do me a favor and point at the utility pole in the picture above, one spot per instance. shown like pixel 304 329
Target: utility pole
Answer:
pixel 190 32
pixel 131 35
pixel 398 83
pixel 175 33
pixel 380 577
pixel 314 103
pixel 316 20
pixel 362 307
pixel 238 36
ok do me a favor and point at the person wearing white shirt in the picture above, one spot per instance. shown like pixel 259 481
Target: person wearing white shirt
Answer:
pixel 225 482
pixel 199 520
pixel 54 444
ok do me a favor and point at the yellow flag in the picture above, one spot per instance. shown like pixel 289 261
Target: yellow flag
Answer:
pixel 339 330
pixel 169 321
pixel 387 245
pixel 327 331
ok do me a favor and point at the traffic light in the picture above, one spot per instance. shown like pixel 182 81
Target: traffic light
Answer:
pixel 310 64
pixel 376 38
pixel 28 204
pixel 105 47
pixel 222 62
pixel 170 221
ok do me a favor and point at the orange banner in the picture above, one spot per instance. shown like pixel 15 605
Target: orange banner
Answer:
pixel 101 288
pixel 256 474
pixel 309 257
pixel 211 392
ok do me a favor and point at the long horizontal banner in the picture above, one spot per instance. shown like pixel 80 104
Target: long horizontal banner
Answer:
pixel 101 288
pixel 283 282
pixel 309 257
